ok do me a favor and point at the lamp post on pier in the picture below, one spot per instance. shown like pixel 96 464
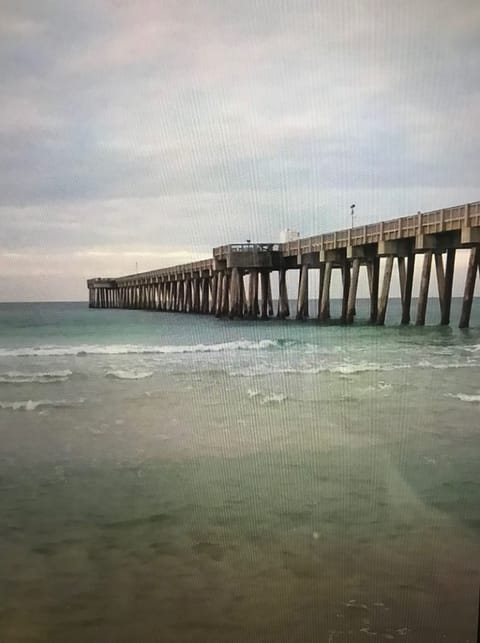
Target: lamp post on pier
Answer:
pixel 352 212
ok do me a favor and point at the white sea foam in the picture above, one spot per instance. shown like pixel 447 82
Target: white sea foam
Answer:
pixel 274 398
pixel 134 374
pixel 127 349
pixel 475 348
pixel 16 377
pixel 342 369
pixel 444 365
pixel 464 397
pixel 32 405
pixel 351 369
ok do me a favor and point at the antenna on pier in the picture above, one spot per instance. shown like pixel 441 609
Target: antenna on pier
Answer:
pixel 136 266
pixel 352 212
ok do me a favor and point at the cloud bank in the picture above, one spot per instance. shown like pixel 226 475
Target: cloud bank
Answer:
pixel 151 131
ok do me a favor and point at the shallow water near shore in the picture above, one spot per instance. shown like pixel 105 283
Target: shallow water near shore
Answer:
pixel 167 477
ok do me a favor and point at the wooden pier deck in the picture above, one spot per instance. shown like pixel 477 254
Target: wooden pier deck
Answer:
pixel 236 281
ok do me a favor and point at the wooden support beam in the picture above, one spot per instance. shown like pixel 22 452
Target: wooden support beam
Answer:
pixel 205 295
pixel 325 303
pixel 181 296
pixel 264 274
pixel 218 303
pixel 173 302
pixel 440 272
pixel 321 281
pixel 352 293
pixel 166 299
pixel 424 285
pixel 253 294
pixel 213 300
pixel 225 294
pixel 243 300
pixel 148 301
pixel 447 300
pixel 234 304
pixel 160 295
pixel 269 296
pixel 402 277
pixel 373 272
pixel 473 264
pixel 302 299
pixel 283 306
pixel 346 278
pixel 188 295
pixel 387 277
pixel 196 295
pixel 407 294
pixel 256 305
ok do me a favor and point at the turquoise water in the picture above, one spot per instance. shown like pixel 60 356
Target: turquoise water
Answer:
pixel 167 477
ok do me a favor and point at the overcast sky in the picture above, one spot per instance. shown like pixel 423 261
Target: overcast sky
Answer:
pixel 151 131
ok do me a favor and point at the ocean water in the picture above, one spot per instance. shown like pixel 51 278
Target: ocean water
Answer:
pixel 174 478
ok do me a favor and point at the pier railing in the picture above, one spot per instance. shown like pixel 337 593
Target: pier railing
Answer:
pixel 435 222
pixel 222 251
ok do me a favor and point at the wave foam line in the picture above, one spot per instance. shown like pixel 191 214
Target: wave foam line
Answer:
pixel 32 405
pixel 463 397
pixel 129 375
pixel 16 377
pixel 127 349
pixel 341 369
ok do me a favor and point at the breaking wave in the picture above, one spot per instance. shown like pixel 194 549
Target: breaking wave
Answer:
pixel 340 369
pixel 464 397
pixel 128 349
pixel 49 377
pixel 32 405
pixel 129 375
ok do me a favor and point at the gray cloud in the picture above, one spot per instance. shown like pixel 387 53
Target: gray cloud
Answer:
pixel 167 125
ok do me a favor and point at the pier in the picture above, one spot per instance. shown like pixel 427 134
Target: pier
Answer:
pixel 236 282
